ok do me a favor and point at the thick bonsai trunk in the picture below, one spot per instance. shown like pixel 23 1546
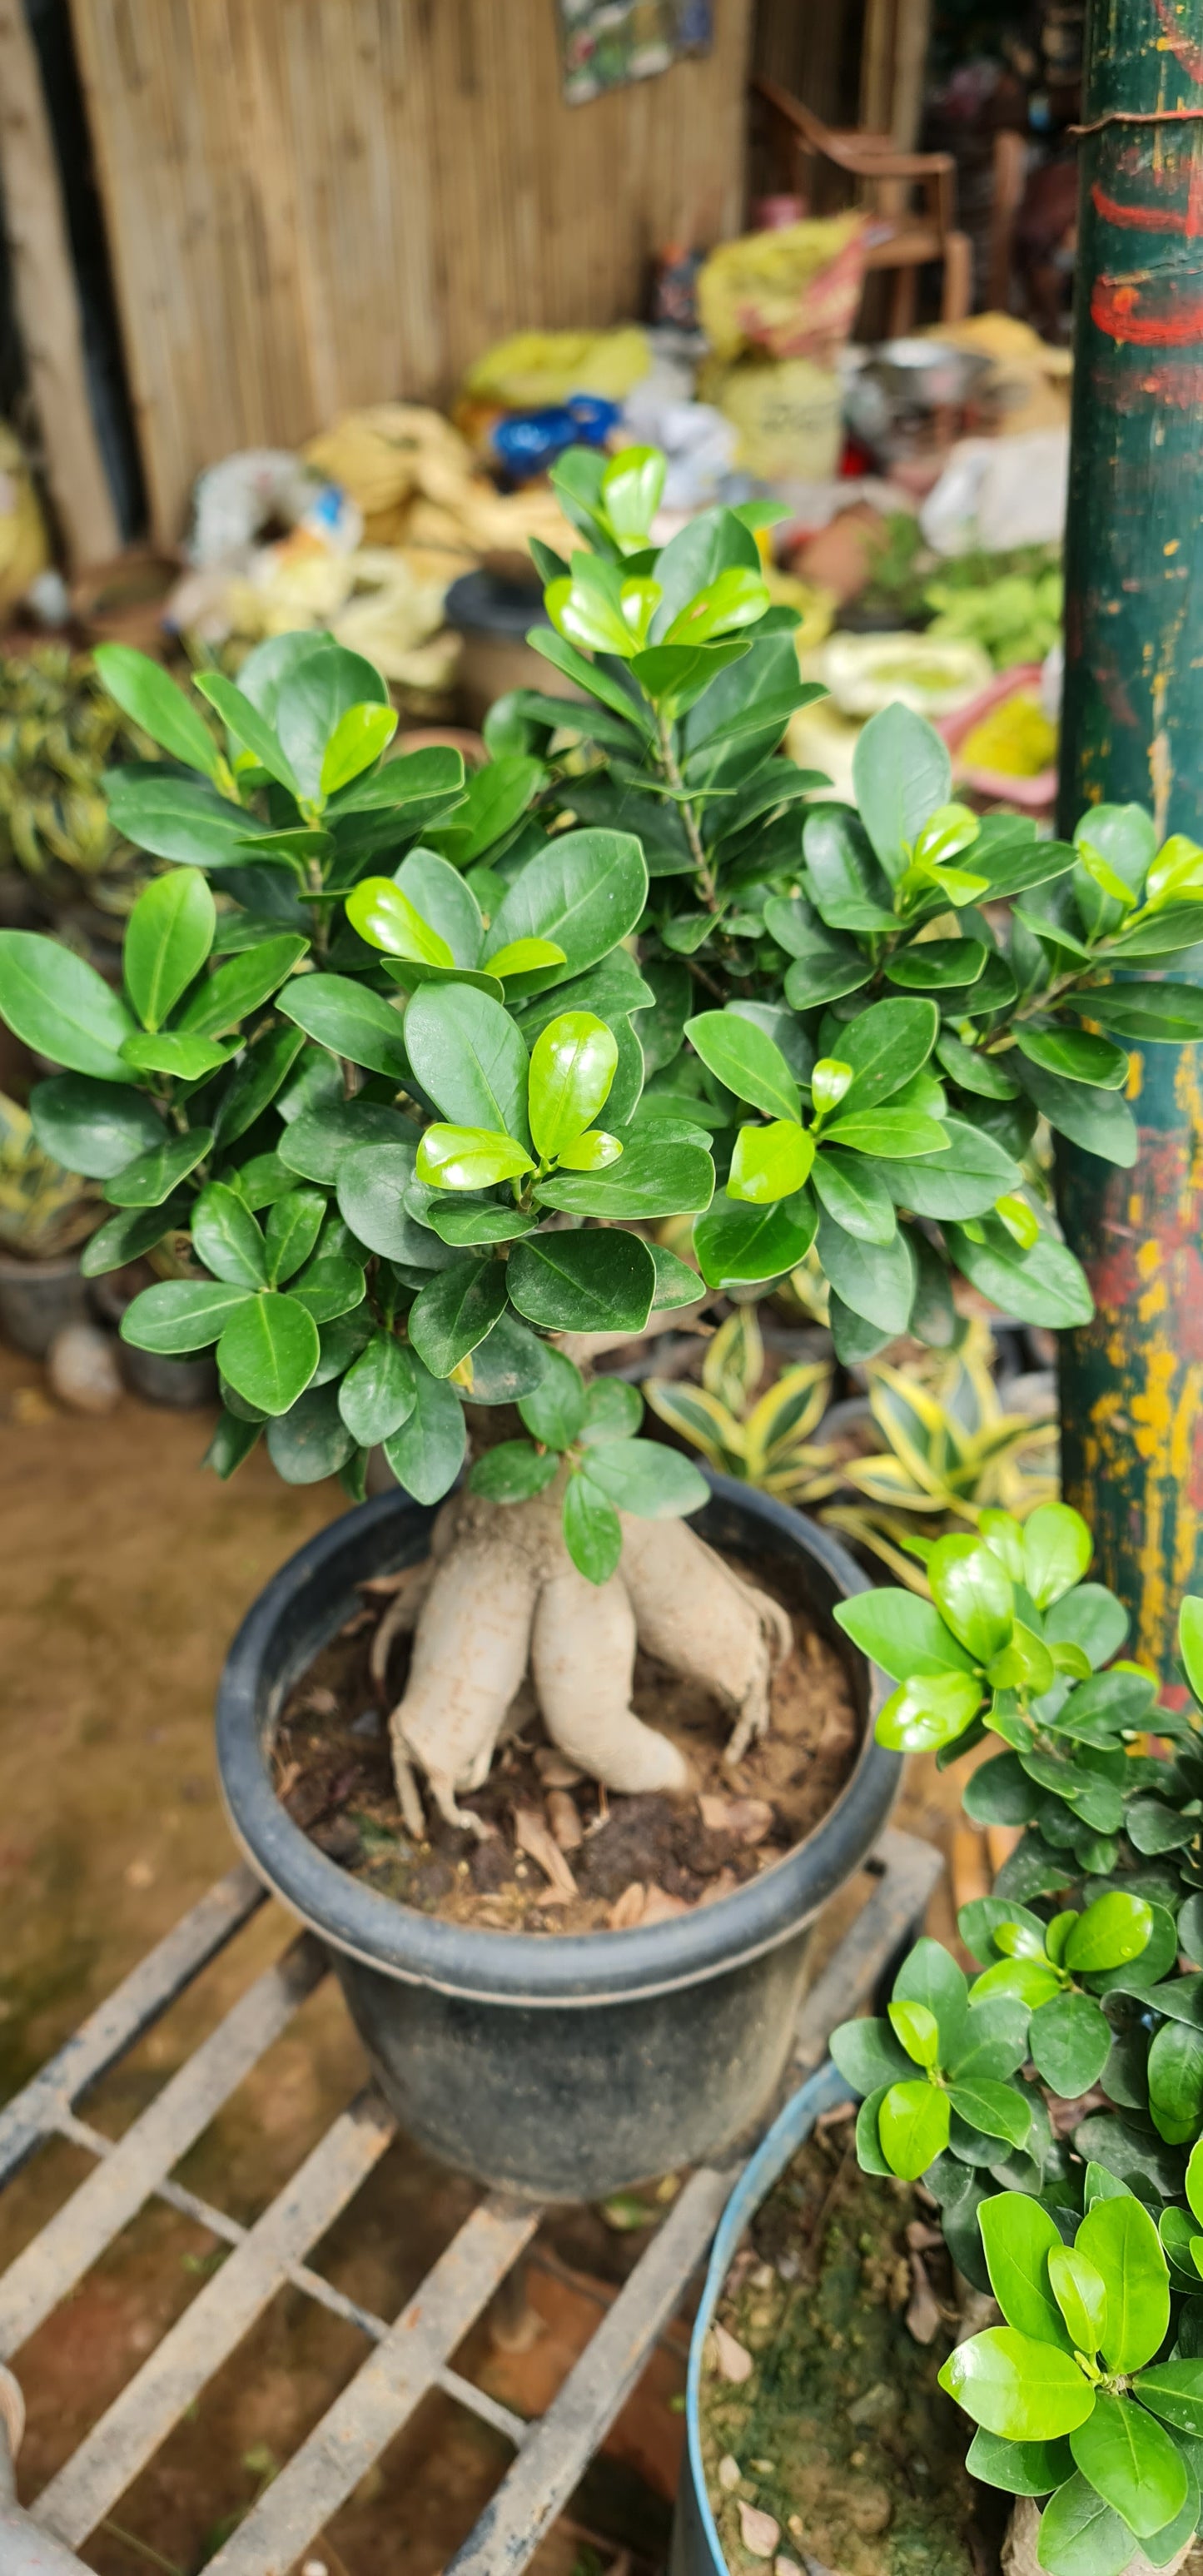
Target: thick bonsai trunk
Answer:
pixel 501 1598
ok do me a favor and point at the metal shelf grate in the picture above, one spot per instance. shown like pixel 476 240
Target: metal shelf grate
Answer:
pixel 408 2356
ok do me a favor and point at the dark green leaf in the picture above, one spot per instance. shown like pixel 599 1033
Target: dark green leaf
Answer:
pixel 513 1472
pixel 268 1351
pixel 179 1315
pixel 123 1238
pixel 1146 1012
pixel 93 1127
pixel 555 1412
pixel 454 1313
pixel 238 987
pixel 1100 1121
pixel 377 1394
pixel 148 1181
pixel 58 1005
pixel 650 1180
pixel 227 1239
pixel 855 1195
pixel 1043 1286
pixel 585 892
pixel 737 1245
pixel 1080 2535
pixel 1132 2463
pixel 311 1440
pixel 1019 2468
pixel 349 1019
pixel 293 1228
pixel 143 690
pixel 644 1477
pixel 176 818
pixel 885 1047
pixel 1070 2042
pixel 901 773
pixel 584 1283
pixel 426 1454
pixel 1075 1054
pixel 468 1055
pixel 876 1280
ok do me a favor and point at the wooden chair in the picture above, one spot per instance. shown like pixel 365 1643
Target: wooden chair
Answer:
pixel 905 235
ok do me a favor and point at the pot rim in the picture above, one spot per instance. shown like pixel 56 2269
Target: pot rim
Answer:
pixel 522 1968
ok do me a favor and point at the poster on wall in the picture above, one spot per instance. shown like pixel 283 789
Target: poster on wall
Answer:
pixel 608 42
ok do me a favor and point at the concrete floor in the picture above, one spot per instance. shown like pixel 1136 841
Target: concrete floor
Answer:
pixel 123 1572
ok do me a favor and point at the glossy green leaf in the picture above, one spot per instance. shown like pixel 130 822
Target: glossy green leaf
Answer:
pixel 1112 1931
pixel 175 1052
pixel 468 1055
pixel 1070 2041
pixel 1019 2468
pixel 854 1194
pixel 555 1412
pixel 1174 2391
pixel 239 986
pixel 901 774
pixel 739 1245
pixel 1044 1286
pixel 470 1158
pixel 168 937
pixel 1100 1121
pixel 226 1237
pixel 868 2055
pixel 899 1135
pixel 592 1531
pixel 378 1393
pixel 513 1472
pixel 746 1059
pixel 888 1044
pixel 649 1180
pixel 461 1304
pixel 927 1712
pixel 268 1351
pixel 177 818
pixel 383 914
pixel 1132 2463
pixel 585 893
pixel 965 1179
pixel 901 1633
pixel 90 1126
pixel 572 1066
pixel 1026 2390
pixel 644 1477
pixel 179 1315
pixel 929 1976
pixel 249 728
pixel 1021 2241
pixel 1081 2536
pixel 583 1283
pixel 150 1180
pixel 916 2027
pixel 1120 2239
pixel 143 691
pixel 876 1280
pixel 973 1593
pixel 426 1454
pixel 311 1441
pixel 349 1019
pixel 1057 1548
pixel 1148 1013
pixel 1076 1055
pixel 124 1237
pixel 58 1005
pixel 912 2125
pixel 996 2110
pixel 359 737
pixel 293 1227
pixel 1081 2295
pixel 327 1287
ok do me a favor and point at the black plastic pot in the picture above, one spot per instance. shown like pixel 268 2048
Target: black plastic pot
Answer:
pixel 38 1299
pixel 180 1384
pixel 565 2066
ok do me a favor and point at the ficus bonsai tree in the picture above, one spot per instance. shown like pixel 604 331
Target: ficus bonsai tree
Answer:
pixel 1053 2106
pixel 406 1067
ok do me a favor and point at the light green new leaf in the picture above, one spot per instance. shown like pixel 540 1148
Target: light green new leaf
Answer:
pixel 572 1066
pixel 913 2126
pixel 470 1158
pixel 1020 2241
pixel 770 1163
pixel 1028 2391
pixel 973 1592
pixel 1057 1548
pixel 359 737
pixel 917 2028
pixel 1081 2295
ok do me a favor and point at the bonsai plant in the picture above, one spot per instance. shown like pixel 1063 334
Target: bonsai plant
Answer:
pixel 1054 2105
pixel 418 1089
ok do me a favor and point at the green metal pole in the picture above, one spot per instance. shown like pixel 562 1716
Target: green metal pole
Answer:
pixel 1132 1380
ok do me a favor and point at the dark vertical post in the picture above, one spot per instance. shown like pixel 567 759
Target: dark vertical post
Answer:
pixel 1132 1381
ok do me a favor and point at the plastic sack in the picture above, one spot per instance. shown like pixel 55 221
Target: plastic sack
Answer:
pixel 786 413
pixel 24 551
pixel 996 493
pixel 790 293
pixel 535 369
pixel 234 501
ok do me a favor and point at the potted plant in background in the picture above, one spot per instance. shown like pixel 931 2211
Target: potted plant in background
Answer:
pixel 422 1086
pixel 1047 2108
pixel 46 1213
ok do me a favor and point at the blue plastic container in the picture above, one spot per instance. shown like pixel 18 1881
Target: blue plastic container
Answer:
pixel 697 2549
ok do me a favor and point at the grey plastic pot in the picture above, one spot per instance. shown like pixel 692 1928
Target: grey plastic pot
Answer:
pixel 696 2547
pixel 562 2067
pixel 38 1299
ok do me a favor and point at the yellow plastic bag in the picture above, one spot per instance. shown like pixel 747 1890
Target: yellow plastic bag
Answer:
pixel 792 294
pixel 24 551
pixel 535 369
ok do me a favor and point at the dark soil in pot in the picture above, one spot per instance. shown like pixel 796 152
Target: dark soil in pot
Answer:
pixel 603 1861
pixel 838 2312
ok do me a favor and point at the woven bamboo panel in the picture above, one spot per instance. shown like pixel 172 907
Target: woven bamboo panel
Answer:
pixel 317 203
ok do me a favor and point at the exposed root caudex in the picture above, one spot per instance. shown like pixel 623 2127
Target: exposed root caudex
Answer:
pixel 501 1597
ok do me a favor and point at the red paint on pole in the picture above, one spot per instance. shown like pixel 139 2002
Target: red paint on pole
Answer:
pixel 1113 309
pixel 1151 219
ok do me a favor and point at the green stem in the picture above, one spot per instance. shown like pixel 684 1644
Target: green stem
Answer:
pixel 688 816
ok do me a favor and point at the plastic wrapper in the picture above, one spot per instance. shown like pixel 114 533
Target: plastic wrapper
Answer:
pixel 534 369
pixel 789 294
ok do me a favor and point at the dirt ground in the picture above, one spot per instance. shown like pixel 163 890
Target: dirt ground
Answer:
pixel 123 1573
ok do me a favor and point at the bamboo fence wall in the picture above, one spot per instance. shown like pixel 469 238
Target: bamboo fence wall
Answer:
pixel 319 203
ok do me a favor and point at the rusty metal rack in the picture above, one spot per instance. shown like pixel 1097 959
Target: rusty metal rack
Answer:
pixel 406 2357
